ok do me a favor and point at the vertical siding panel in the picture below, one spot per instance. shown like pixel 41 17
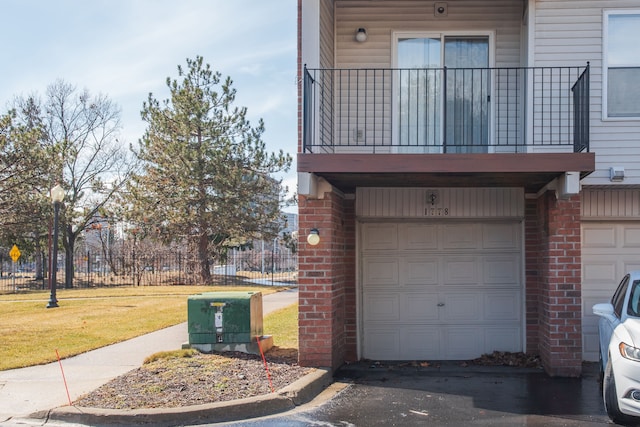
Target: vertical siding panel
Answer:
pixel 611 204
pixel 461 202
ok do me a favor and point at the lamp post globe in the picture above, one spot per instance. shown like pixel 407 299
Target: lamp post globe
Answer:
pixel 57 195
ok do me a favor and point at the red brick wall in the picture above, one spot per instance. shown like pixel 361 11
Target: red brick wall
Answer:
pixel 532 276
pixel 349 261
pixel 325 281
pixel 560 302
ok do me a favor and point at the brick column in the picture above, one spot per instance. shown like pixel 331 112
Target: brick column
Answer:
pixel 323 272
pixel 560 279
pixel 532 275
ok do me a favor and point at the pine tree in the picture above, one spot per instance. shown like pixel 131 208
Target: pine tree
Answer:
pixel 207 178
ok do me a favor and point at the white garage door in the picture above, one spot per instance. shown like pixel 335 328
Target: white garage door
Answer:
pixel 440 291
pixel 609 250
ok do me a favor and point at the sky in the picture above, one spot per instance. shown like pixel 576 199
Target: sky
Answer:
pixel 126 49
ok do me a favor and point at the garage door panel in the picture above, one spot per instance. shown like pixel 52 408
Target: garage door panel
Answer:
pixel 380 237
pixel 502 306
pixel 501 339
pixel 420 271
pixel 630 265
pixel 501 270
pixel 594 298
pixel 461 308
pixel 631 237
pixel 459 236
pixel 591 340
pixel 419 236
pixel 420 307
pixel 462 343
pixel 421 343
pixel 599 237
pixel 460 270
pixel 441 290
pixel 380 271
pixel 500 236
pixel 598 272
pixel 609 251
pixel 382 343
pixel 382 307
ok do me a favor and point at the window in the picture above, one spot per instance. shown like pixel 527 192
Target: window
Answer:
pixel 634 300
pixel 621 64
pixel 618 298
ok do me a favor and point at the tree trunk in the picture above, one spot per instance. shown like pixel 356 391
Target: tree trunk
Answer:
pixel 70 242
pixel 203 259
pixel 38 258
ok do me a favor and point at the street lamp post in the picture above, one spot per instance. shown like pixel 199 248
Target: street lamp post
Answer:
pixel 57 195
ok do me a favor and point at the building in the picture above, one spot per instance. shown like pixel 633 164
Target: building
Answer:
pixel 472 170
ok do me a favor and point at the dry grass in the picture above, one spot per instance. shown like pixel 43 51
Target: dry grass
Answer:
pixel 283 325
pixel 89 318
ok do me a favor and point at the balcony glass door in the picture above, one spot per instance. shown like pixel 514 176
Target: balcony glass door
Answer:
pixel 443 109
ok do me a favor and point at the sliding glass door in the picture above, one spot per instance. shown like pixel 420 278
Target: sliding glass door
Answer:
pixel 443 94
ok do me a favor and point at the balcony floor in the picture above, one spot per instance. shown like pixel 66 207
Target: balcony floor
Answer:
pixel 531 171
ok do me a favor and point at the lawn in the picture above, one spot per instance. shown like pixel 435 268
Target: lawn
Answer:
pixel 91 318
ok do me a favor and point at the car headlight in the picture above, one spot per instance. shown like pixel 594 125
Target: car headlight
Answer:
pixel 629 352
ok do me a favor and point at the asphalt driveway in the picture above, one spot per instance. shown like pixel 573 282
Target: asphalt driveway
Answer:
pixel 450 395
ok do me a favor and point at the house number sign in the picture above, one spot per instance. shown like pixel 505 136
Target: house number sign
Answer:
pixel 432 206
pixel 436 211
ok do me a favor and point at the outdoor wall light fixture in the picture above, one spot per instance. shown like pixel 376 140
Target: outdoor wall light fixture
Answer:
pixel 361 35
pixel 314 237
pixel 616 174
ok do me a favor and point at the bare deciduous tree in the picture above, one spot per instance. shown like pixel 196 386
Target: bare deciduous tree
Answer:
pixel 91 163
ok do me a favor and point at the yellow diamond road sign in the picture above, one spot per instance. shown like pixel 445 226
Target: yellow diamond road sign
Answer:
pixel 14 253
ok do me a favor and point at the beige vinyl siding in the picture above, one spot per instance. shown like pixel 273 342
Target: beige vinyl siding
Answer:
pixel 370 113
pixel 569 32
pixel 326 58
pixel 326 34
pixel 382 18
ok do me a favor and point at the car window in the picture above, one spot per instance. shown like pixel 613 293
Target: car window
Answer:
pixel 618 297
pixel 633 309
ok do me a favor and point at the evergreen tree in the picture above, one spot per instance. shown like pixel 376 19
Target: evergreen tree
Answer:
pixel 25 169
pixel 207 178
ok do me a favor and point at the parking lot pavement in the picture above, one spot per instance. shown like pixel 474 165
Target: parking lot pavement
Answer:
pixel 449 394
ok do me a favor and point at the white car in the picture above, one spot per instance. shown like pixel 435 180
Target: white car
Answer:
pixel 619 333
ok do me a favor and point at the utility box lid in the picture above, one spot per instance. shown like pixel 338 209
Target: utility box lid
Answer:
pixel 224 317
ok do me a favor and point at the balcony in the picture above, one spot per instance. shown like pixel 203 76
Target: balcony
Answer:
pixel 446 127
pixel 446 110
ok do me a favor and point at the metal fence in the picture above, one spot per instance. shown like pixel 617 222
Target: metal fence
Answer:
pixel 451 110
pixel 135 265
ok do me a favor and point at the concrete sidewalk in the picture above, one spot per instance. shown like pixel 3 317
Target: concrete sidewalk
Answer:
pixel 25 391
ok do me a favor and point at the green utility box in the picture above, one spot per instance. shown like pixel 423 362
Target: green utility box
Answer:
pixel 224 317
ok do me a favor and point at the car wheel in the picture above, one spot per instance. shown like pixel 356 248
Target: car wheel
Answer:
pixel 610 397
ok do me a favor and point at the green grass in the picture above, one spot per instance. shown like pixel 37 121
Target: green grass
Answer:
pixel 87 319
pixel 283 325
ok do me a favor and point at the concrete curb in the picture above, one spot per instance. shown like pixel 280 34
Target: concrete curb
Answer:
pixel 295 394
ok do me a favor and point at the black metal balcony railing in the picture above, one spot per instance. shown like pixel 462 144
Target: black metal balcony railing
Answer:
pixel 446 110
